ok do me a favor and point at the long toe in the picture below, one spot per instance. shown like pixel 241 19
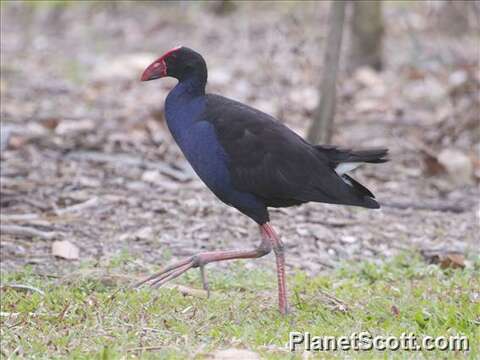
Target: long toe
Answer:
pixel 169 273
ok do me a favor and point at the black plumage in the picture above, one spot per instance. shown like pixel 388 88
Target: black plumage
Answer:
pixel 270 161
pixel 250 161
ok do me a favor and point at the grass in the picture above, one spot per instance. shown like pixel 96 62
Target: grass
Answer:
pixel 78 318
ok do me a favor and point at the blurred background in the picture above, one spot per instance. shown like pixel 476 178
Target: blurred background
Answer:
pixel 89 169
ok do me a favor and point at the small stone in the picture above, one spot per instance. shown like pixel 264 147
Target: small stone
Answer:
pixel 348 239
pixel 151 176
pixel 457 78
pixel 302 231
pixel 458 165
pixel 144 233
pixel 65 250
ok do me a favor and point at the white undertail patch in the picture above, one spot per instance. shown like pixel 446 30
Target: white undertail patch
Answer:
pixel 346 167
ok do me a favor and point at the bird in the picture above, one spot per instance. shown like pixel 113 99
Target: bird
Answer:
pixel 250 161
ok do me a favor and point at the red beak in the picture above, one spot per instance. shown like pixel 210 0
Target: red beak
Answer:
pixel 158 68
pixel 155 70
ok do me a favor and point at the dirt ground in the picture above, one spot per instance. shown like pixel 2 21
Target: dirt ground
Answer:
pixel 87 157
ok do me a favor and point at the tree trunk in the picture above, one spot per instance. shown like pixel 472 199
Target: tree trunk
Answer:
pixel 366 34
pixel 222 7
pixel 321 128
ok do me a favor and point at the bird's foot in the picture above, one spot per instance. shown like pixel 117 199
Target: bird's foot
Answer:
pixel 269 240
pixel 171 272
pixel 200 260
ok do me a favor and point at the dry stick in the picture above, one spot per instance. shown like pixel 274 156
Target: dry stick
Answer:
pixel 147 348
pixel 324 263
pixel 444 207
pixel 334 299
pixel 335 223
pixel 320 130
pixel 61 316
pixel 22 287
pixel 78 207
pixel 128 160
pixel 17 230
pixel 19 217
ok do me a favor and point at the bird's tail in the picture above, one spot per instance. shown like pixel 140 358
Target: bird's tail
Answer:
pixel 344 160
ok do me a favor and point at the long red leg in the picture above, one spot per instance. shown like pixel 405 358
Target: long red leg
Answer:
pixel 201 259
pixel 269 240
pixel 278 249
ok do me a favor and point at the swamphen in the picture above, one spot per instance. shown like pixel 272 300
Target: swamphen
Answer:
pixel 250 161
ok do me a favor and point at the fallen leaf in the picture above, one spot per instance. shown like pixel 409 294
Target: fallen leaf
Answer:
pixel 445 258
pixel 454 261
pixel 65 250
pixel 50 122
pixel 432 165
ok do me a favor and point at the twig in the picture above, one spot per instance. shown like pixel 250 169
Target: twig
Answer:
pixel 147 348
pixel 49 276
pixel 38 204
pixel 342 306
pixel 61 316
pixel 324 263
pixel 22 287
pixel 19 217
pixel 334 223
pixel 432 206
pixel 128 160
pixel 17 230
pixel 78 207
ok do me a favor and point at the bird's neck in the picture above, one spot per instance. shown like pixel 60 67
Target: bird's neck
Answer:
pixel 185 91
pixel 184 104
pixel 191 86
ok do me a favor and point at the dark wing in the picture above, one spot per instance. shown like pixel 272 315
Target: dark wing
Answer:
pixel 269 160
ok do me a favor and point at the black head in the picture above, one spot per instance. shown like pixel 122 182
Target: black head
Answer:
pixel 180 63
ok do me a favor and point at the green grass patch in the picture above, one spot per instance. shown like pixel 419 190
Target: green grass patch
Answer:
pixel 93 316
